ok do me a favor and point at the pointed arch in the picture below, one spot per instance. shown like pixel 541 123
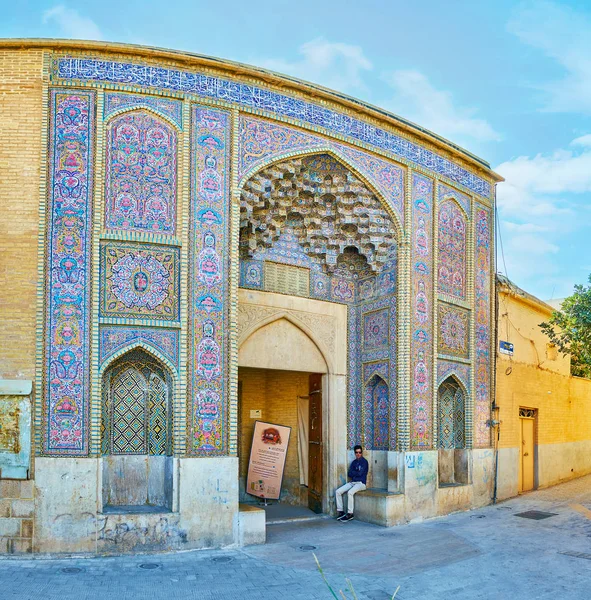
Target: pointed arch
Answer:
pixel 136 138
pixel 456 376
pixel 451 197
pixel 451 414
pixel 376 409
pixel 149 349
pixel 145 107
pixel 329 149
pixel 255 326
pixel 137 405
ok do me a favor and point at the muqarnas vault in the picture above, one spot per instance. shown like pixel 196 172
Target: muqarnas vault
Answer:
pixel 216 243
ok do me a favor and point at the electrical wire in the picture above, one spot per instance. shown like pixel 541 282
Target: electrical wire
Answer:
pixel 501 243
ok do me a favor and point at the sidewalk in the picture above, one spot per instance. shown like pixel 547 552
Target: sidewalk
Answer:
pixel 489 553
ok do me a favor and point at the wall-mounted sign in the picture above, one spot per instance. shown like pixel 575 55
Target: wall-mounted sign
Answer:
pixel 256 413
pixel 267 460
pixel 505 348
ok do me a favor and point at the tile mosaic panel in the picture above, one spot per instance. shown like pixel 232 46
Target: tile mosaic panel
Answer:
pixel 260 141
pixel 376 330
pixel 386 282
pixel 354 403
pixel 252 274
pixel 365 363
pixel 139 281
pixel 208 274
pixel 114 338
pixel 366 289
pixel 377 414
pixel 453 330
pixel 452 236
pixel 320 286
pixel 460 371
pixel 342 290
pixel 251 96
pixel 482 315
pixel 380 368
pixel 445 192
pixel 173 109
pixel 141 173
pixel 421 313
pixel 68 289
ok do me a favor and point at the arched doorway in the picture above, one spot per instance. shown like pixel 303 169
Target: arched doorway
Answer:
pixel 289 374
pixel 312 229
pixel 136 434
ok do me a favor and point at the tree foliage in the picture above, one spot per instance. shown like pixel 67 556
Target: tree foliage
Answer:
pixel 570 329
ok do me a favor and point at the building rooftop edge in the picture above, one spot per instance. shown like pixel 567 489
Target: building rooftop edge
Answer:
pixel 508 286
pixel 191 58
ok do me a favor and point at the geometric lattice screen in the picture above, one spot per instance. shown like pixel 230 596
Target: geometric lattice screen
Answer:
pixel 136 416
pixel 451 415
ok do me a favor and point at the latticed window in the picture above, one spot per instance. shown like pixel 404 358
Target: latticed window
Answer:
pixel 136 412
pixel 451 415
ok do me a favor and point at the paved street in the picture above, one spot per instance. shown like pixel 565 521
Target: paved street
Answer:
pixel 486 553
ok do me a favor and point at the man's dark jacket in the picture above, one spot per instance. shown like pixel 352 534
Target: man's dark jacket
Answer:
pixel 358 470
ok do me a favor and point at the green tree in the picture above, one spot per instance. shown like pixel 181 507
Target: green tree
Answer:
pixel 570 329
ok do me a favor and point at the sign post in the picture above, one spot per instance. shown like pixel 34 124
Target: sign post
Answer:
pixel 267 460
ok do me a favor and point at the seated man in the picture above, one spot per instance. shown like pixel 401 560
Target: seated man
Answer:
pixel 358 476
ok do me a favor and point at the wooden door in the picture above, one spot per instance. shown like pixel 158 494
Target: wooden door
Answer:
pixel 315 444
pixel 527 454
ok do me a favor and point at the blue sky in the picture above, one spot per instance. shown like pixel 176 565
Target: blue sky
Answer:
pixel 509 81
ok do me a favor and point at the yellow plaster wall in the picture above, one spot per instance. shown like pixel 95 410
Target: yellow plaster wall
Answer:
pixel 275 393
pixel 21 130
pixel 537 376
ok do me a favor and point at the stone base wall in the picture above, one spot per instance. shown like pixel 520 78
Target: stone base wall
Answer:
pixel 422 497
pixel 71 519
pixel 17 509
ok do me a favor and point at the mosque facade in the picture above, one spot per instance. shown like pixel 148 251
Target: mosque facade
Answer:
pixel 190 245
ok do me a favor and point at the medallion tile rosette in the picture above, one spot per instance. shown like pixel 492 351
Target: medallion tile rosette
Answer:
pixel 139 281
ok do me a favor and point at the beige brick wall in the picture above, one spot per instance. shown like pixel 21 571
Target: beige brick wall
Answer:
pixel 535 377
pixel 20 156
pixel 276 394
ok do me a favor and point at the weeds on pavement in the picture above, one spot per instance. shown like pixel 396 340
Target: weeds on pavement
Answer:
pixel 342 595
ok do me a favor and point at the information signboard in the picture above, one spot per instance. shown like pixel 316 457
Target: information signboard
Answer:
pixel 267 460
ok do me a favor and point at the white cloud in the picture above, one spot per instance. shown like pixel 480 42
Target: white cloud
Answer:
pixel 584 140
pixel 564 171
pixel 415 98
pixel 523 227
pixel 332 64
pixel 71 23
pixel 564 35
pixel 539 213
